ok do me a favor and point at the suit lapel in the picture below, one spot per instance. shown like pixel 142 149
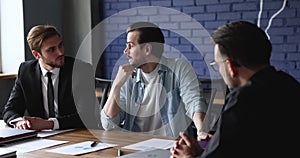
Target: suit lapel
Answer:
pixel 39 100
pixel 62 84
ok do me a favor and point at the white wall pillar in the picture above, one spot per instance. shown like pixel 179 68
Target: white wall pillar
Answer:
pixel 12 35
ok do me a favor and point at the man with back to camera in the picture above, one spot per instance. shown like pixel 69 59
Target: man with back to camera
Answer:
pixel 259 117
pixel 29 105
pixel 153 94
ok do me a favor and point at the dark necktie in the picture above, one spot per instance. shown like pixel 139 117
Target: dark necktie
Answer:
pixel 50 95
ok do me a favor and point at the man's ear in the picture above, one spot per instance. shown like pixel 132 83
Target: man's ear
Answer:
pixel 148 48
pixel 232 68
pixel 36 54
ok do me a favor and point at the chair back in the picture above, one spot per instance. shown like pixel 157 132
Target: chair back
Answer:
pixel 102 92
pixel 6 85
pixel 214 92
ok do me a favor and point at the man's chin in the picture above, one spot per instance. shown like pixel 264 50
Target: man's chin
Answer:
pixel 132 63
pixel 60 61
pixel 59 64
pixel 135 65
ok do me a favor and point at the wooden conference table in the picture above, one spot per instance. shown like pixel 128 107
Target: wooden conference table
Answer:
pixel 77 136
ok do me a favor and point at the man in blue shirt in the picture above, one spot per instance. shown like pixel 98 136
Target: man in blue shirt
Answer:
pixel 153 94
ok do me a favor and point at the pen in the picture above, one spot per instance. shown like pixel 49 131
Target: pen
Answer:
pixel 120 152
pixel 94 144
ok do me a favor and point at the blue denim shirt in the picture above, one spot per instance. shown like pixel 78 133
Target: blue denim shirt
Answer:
pixel 183 98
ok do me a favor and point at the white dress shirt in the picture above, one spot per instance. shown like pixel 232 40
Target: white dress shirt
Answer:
pixel 44 78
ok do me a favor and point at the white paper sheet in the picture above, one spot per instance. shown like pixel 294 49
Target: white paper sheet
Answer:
pixel 47 133
pixel 81 148
pixel 2 124
pixel 31 145
pixel 151 144
pixel 6 153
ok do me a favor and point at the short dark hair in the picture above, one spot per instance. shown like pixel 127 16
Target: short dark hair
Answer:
pixel 149 33
pixel 244 43
pixel 38 34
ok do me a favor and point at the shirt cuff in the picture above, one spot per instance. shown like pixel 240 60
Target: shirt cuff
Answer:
pixel 55 123
pixel 103 114
pixel 107 122
pixel 12 122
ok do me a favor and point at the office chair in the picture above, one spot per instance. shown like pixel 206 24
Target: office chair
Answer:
pixel 104 86
pixel 209 94
pixel 214 108
pixel 6 84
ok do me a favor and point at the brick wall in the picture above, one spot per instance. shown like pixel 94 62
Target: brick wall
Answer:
pixel 187 24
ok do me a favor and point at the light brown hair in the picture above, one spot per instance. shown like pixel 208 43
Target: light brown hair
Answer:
pixel 38 34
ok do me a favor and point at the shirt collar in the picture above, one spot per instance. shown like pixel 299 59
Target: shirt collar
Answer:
pixel 55 71
pixel 162 65
pixel 161 68
pixel 138 75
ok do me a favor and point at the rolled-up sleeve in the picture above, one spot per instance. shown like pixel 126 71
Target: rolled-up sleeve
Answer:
pixel 114 122
pixel 191 90
pixel 109 123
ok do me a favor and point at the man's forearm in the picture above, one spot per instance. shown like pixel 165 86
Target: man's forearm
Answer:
pixel 111 107
pixel 198 120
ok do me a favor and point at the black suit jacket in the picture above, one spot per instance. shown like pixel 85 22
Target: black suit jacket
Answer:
pixel 259 119
pixel 75 101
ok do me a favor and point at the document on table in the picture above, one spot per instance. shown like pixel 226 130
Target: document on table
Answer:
pixel 6 153
pixel 31 145
pixel 47 133
pixel 151 144
pixel 81 148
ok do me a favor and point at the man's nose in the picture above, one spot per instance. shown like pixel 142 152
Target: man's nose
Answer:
pixel 126 50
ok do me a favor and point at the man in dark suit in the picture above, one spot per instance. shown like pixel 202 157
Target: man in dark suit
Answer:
pixel 260 114
pixel 31 107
